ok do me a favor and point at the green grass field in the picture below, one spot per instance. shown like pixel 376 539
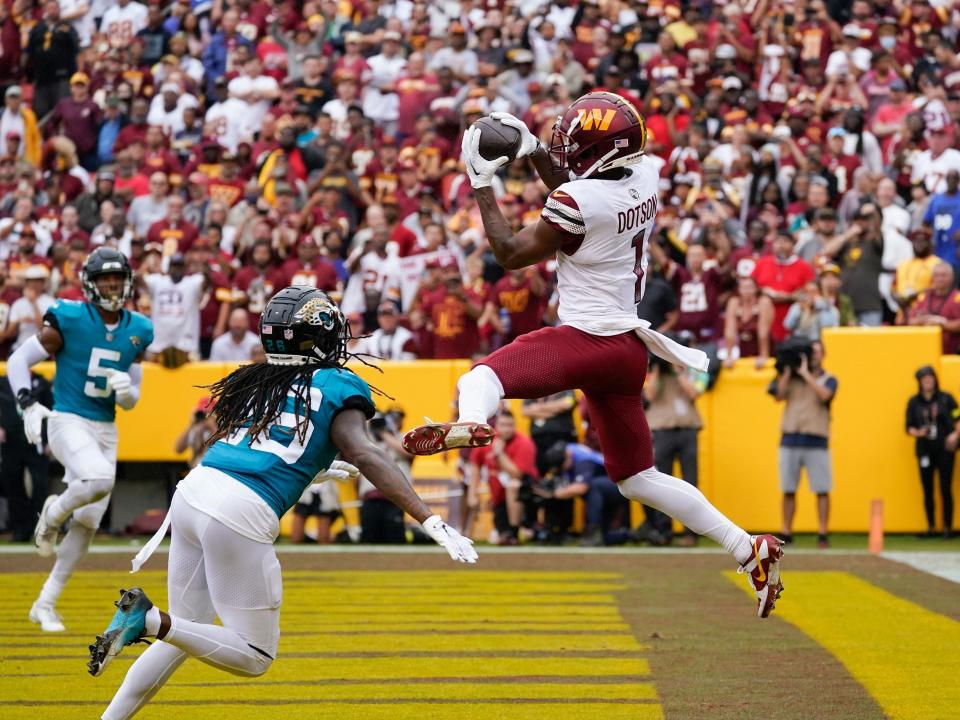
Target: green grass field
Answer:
pixel 526 636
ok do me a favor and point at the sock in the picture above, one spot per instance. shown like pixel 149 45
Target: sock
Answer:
pixel 152 621
pixel 683 501
pixel 218 646
pixel 480 394
pixel 69 554
pixel 77 494
pixel 144 678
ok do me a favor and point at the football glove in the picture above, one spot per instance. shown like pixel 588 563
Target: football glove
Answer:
pixel 479 170
pixel 121 384
pixel 529 143
pixel 340 471
pixel 33 416
pixel 457 546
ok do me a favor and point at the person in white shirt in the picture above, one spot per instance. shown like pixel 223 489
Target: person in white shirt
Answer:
pixel 166 108
pixel 338 107
pixel 256 89
pixel 457 56
pixel 229 121
pixel 175 311
pixel 123 21
pixel 380 101
pixel 238 343
pixel 147 209
pixel 26 313
pixel 933 164
pixel 390 341
pixel 78 14
pixel 11 121
pixel 894 216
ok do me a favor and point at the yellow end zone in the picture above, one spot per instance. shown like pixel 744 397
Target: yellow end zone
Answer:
pixel 907 657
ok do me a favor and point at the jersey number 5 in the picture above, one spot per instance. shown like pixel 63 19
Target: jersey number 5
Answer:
pixel 96 370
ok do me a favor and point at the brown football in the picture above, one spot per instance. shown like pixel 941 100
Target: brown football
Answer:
pixel 497 139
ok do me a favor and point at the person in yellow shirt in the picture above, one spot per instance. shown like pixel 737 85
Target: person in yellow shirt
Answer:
pixel 914 275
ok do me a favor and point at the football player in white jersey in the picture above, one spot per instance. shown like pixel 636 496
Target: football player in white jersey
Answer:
pixel 597 220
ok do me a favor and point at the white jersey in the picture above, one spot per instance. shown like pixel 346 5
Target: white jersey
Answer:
pixel 601 270
pixel 934 171
pixel 175 311
pixel 121 24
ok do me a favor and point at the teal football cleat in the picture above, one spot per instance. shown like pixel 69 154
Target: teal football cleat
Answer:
pixel 127 627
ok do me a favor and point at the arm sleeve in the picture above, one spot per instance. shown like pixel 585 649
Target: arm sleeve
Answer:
pixel 19 364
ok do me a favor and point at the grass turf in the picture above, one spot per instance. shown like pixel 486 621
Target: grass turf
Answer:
pixel 522 636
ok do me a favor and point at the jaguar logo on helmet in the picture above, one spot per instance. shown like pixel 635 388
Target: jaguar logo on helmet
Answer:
pixel 600 131
pixel 318 311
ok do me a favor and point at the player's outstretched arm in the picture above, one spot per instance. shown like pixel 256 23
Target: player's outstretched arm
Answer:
pixel 349 434
pixel 533 244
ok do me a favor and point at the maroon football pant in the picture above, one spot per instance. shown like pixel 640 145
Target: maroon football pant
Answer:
pixel 608 369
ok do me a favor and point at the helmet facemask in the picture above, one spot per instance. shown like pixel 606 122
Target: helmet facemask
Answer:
pixel 92 292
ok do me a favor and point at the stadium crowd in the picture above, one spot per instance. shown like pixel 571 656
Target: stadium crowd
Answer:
pixel 230 148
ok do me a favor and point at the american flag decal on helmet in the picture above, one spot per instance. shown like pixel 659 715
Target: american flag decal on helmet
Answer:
pixel 621 142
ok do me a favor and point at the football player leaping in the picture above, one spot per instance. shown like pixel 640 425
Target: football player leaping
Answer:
pixel 597 221
pixel 97 346
pixel 280 424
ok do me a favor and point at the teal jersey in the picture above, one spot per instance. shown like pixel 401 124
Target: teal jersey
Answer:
pixel 89 350
pixel 278 467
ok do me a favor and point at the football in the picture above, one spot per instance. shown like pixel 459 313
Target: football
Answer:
pixel 497 139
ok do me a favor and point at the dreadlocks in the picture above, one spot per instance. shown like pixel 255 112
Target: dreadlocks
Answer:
pixel 253 396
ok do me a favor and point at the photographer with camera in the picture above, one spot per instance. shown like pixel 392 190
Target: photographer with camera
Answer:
pixel 202 425
pixel 807 391
pixel 576 470
pixel 931 417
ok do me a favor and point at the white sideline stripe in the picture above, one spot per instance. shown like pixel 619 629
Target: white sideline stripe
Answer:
pixel 425 549
pixel 942 564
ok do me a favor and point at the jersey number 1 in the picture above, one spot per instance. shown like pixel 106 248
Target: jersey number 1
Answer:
pixel 639 245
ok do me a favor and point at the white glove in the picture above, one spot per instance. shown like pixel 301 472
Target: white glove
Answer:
pixel 121 385
pixel 529 143
pixel 459 547
pixel 479 170
pixel 33 422
pixel 340 471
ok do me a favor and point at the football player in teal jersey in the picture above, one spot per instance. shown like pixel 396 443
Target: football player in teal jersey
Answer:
pixel 280 424
pixel 97 346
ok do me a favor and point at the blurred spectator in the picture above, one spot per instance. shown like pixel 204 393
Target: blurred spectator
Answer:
pixel 913 276
pixel 780 277
pixel 152 208
pixel 390 341
pixel 381 522
pixel 452 312
pixel 508 462
pixel 19 121
pixel 551 421
pixel 17 457
pixel 202 425
pixel 940 306
pixel 175 311
pixel 943 217
pixel 517 302
pixel 26 313
pixel 932 416
pixel 807 391
pixel 78 118
pixel 860 250
pixel 748 320
pixel 673 418
pixel 51 56
pixel 319 500
pixel 810 314
pixel 237 343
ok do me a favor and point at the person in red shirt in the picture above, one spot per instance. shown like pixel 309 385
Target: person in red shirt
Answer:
pixel 380 177
pixel 254 284
pixel 838 162
pixel 416 89
pixel 697 289
pixel 509 459
pixel 227 188
pixel 157 156
pixel 137 129
pixel 780 277
pixel 308 268
pixel 69 229
pixel 174 233
pixel 743 260
pixel 452 312
pixel 665 126
pixel 940 307
pixel 519 296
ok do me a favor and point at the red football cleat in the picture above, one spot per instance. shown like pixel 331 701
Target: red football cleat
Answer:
pixel 436 437
pixel 764 572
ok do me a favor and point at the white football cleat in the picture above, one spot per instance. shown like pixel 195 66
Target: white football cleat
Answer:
pixel 45 536
pixel 46 617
